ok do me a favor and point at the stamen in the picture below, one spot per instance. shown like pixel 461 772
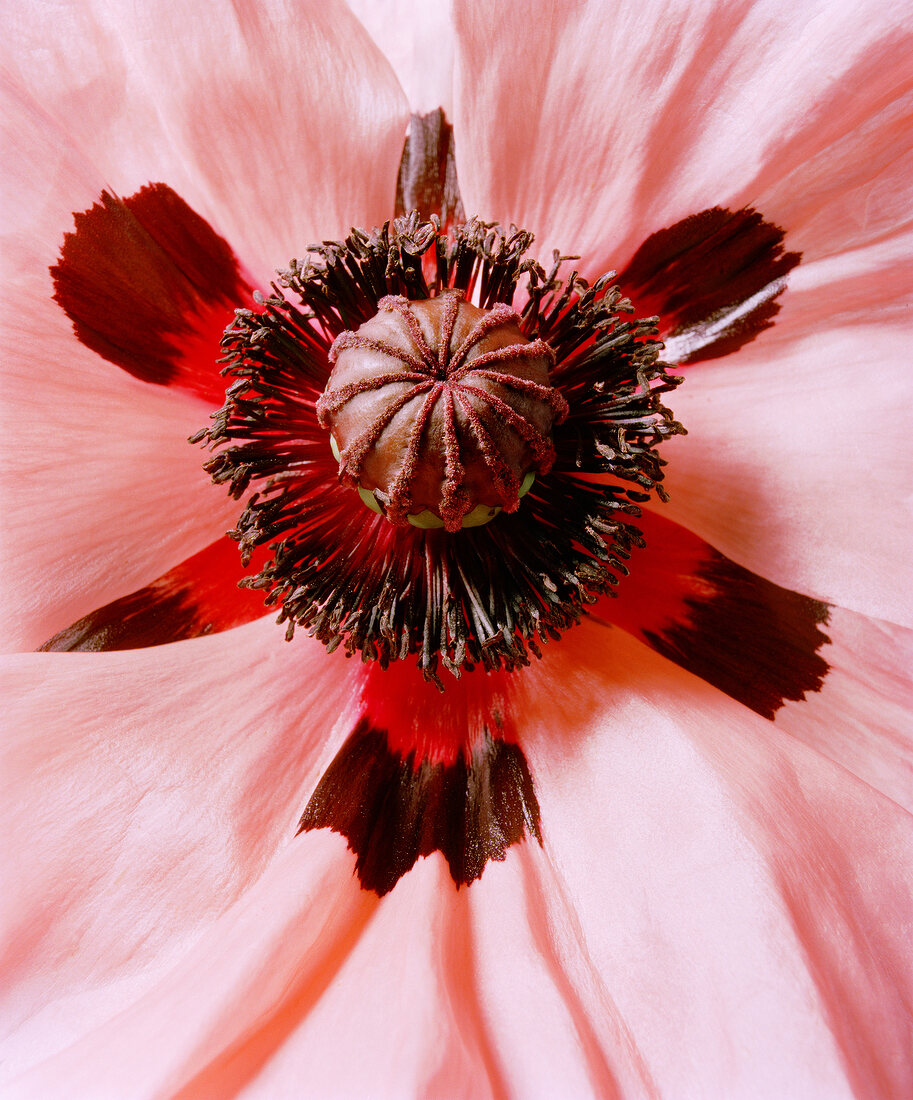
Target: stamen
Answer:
pixel 439 408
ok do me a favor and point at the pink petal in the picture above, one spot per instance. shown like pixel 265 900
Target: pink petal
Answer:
pixel 744 900
pixel 303 975
pixel 860 718
pixel 384 1025
pixel 713 279
pixel 838 681
pixel 147 790
pixel 107 501
pixel 649 967
pixel 201 595
pixel 594 125
pixel 871 281
pixel 102 492
pixel 528 987
pixel 417 39
pixel 225 981
pixel 72 127
pixel 792 467
pixel 843 180
pixel 280 124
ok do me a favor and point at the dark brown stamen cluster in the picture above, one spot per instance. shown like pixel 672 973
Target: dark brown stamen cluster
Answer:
pixel 482 596
pixel 441 407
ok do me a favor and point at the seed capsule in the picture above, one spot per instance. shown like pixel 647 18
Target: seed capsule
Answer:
pixel 441 411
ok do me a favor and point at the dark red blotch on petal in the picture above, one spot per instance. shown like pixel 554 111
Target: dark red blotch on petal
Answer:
pixel 393 809
pixel 701 274
pixel 427 179
pixel 199 596
pixel 748 637
pixel 437 725
pixel 150 286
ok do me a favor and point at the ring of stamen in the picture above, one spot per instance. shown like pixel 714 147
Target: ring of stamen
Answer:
pixel 478 597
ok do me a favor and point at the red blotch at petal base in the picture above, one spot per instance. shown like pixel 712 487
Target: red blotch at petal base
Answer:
pixel 199 596
pixel 751 638
pixel 150 286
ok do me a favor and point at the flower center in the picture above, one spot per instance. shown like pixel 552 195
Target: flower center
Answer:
pixel 441 412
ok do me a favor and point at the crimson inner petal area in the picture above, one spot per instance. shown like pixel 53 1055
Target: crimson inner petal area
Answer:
pixel 198 596
pixel 150 286
pixel 752 639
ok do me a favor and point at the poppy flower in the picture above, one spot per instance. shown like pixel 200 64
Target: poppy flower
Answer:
pixel 661 851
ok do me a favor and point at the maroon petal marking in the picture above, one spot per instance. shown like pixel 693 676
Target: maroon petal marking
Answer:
pixel 713 279
pixel 393 809
pixel 427 179
pixel 199 596
pixel 150 286
pixel 748 637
